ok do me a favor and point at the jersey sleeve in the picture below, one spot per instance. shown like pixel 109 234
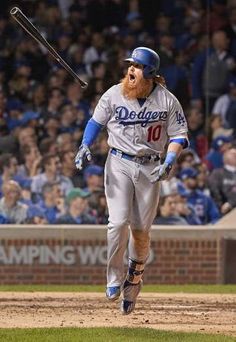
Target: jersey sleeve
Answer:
pixel 177 123
pixel 102 112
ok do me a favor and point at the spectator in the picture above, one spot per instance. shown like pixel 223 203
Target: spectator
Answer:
pixel 93 176
pixel 188 158
pixel 197 135
pixel 185 209
pixel 38 98
pixel 68 168
pixel 55 81
pixel 65 142
pixel 209 79
pixel 100 149
pixel 48 145
pixel 55 101
pixel 8 168
pixel 4 220
pixel 51 202
pixel 205 208
pixel 82 115
pixel 19 86
pixel 30 119
pixel 8 142
pixel 202 178
pixel 134 27
pixel 217 128
pixel 77 61
pixel 187 41
pixel 166 51
pixel 214 158
pixel 3 113
pixel 26 195
pixel 27 136
pixel 162 25
pixel 35 216
pixel 77 209
pixel 51 128
pixel 52 173
pixel 218 17
pixel 98 203
pixel 96 51
pixel 225 106
pixel 32 159
pixel 222 182
pixel 68 119
pixel 230 29
pixel 14 114
pixel 176 76
pixel 73 94
pixel 98 69
pixel 64 42
pixel 10 206
pixel 168 213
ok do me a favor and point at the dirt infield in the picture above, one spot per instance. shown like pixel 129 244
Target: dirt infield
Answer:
pixel 212 313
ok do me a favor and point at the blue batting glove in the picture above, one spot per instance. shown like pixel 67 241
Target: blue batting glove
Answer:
pixel 160 173
pixel 84 152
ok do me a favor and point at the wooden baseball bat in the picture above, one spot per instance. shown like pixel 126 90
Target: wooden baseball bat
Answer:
pixel 25 23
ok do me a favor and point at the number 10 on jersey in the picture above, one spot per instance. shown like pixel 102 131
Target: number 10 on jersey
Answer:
pixel 154 133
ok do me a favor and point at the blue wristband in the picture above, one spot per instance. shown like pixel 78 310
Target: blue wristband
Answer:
pixel 91 132
pixel 170 158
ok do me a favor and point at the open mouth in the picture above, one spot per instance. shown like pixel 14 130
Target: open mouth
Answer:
pixel 131 77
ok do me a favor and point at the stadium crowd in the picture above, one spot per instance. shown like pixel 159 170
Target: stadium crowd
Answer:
pixel 43 112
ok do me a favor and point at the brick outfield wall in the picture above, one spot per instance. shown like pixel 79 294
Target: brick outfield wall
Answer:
pixel 77 255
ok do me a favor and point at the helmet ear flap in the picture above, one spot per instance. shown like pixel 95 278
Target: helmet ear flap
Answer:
pixel 149 72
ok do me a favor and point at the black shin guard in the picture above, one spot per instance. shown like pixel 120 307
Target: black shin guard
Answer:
pixel 135 272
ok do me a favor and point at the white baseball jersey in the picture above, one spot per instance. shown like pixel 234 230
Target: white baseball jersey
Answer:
pixel 140 130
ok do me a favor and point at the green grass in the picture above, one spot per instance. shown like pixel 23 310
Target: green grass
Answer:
pixel 105 335
pixel 146 288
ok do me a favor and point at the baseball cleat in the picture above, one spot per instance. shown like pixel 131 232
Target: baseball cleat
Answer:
pixel 130 294
pixel 113 292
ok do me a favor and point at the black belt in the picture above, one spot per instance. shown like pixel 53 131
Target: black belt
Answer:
pixel 139 160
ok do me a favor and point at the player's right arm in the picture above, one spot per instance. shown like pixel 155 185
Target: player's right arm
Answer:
pixel 91 132
pixel 92 129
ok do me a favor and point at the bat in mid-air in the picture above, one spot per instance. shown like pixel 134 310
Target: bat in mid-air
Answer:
pixel 26 24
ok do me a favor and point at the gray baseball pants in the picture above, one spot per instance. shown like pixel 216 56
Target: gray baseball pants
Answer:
pixel 132 202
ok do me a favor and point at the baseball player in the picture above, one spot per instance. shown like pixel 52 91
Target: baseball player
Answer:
pixel 142 117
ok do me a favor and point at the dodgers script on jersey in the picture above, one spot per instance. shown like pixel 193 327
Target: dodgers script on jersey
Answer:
pixel 140 130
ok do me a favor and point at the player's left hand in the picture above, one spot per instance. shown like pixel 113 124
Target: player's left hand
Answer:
pixel 160 173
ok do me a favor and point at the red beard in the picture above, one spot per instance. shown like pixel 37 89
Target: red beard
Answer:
pixel 135 91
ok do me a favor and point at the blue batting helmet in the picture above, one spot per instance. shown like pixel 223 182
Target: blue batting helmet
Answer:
pixel 148 58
